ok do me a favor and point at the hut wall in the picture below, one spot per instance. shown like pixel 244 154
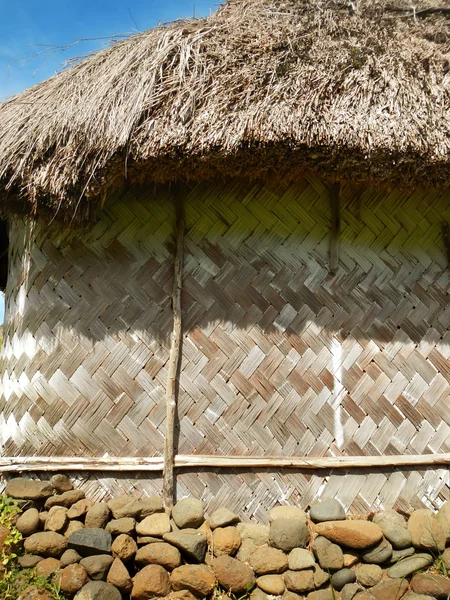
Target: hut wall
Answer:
pixel 279 357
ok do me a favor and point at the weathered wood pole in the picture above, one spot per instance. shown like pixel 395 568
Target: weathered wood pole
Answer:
pixel 174 358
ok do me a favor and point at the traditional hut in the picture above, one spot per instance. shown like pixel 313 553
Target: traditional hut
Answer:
pixel 244 218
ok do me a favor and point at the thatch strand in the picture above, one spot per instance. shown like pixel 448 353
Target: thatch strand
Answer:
pixel 263 86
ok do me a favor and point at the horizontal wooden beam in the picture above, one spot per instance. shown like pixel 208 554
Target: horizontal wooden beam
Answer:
pixel 107 463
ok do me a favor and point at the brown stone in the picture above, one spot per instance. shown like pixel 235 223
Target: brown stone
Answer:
pixel 149 506
pixel 79 509
pixel 33 592
pixel 159 553
pixel 56 519
pixel 155 525
pixel 47 544
pixel 329 555
pixel 42 518
pixel 152 580
pixel 392 589
pixel 247 548
pixel 119 576
pixel 28 522
pixel 320 577
pixel 365 595
pixel 443 518
pixel 124 547
pixel 233 575
pixel 72 527
pixel 181 595
pixel 47 567
pixel 353 534
pixel 292 596
pixel 207 531
pixel 28 489
pixel 299 581
pixel 426 531
pixel 71 579
pixel 124 525
pixel 226 540
pixel 271 584
pixel 66 499
pixel 432 585
pixel 268 560
pixel 29 561
pixel 368 575
pixel 446 558
pixel 198 579
pixel 97 516
pixel 350 559
pixel 61 483
pixel 286 512
pixel 254 531
pixel 321 595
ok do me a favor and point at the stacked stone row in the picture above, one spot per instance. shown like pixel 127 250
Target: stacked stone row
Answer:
pixel 134 548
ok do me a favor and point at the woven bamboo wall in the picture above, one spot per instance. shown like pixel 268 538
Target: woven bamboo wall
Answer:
pixel 279 356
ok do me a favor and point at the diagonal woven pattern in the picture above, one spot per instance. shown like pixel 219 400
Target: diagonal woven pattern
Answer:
pixel 279 357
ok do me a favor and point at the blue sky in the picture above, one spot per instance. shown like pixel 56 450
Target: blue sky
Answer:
pixel 29 27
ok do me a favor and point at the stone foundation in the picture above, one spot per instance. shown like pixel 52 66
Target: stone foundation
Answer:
pixel 135 548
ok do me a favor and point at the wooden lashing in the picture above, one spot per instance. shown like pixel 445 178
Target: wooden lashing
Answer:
pixel 335 191
pixel 174 358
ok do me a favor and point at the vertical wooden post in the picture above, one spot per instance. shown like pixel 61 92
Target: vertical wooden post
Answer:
pixel 175 348
pixel 335 191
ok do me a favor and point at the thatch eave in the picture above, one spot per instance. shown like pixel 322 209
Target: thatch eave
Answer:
pixel 268 87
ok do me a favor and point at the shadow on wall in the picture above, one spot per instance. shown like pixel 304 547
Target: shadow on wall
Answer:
pixel 279 356
pixel 254 493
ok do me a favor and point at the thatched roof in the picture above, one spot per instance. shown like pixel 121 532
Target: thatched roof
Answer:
pixel 356 89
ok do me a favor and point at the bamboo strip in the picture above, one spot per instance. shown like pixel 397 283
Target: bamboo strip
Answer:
pixel 335 202
pixel 174 359
pixel 53 463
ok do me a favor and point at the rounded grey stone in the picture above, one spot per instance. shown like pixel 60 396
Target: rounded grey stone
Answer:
pixel 222 517
pixel 378 554
pixel 192 543
pixel 98 590
pixel 69 557
pixel 287 534
pixel 410 565
pixel 188 513
pixel 399 537
pixel 327 510
pixel 401 554
pixel 349 591
pixel 97 567
pixel 329 556
pixel 300 558
pixel 341 578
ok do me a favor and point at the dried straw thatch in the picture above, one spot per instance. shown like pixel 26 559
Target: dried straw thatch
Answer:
pixel 355 90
